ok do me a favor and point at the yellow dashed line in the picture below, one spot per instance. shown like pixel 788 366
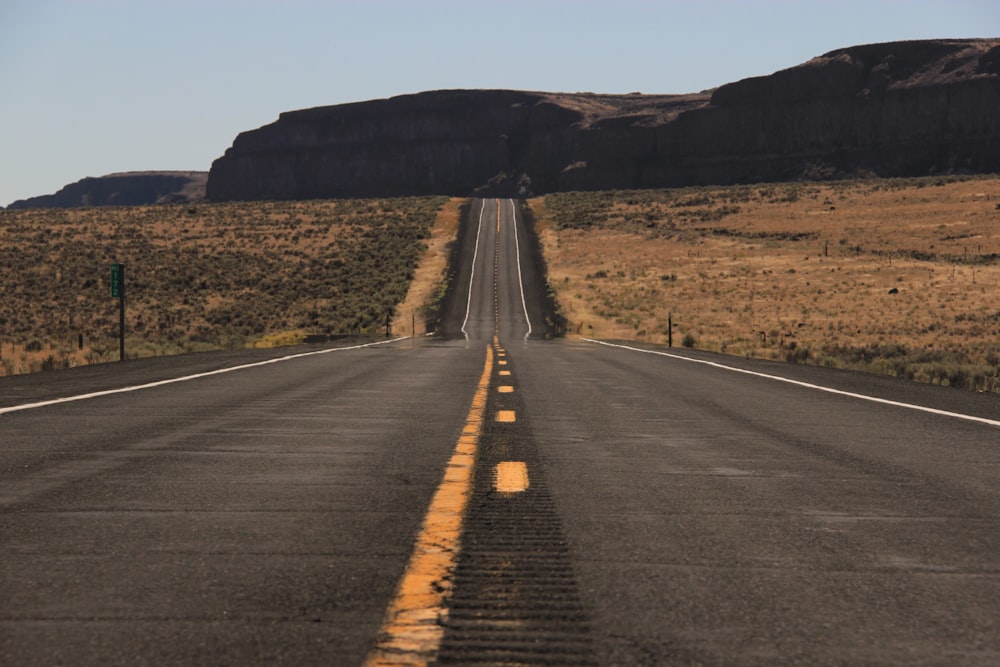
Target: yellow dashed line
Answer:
pixel 506 416
pixel 505 389
pixel 413 626
pixel 510 477
pixel 505 373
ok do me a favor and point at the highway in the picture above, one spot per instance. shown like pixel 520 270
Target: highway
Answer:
pixel 491 496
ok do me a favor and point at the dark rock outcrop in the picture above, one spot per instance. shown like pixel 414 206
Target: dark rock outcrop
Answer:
pixel 125 189
pixel 896 109
pixel 444 142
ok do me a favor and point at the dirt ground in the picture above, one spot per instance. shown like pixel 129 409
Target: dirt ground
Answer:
pixel 430 274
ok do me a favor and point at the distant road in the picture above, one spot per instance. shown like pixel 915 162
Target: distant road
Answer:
pixel 625 507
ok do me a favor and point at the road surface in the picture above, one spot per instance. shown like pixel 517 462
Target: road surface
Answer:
pixel 625 506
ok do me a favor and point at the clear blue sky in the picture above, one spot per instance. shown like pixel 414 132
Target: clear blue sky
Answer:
pixel 93 87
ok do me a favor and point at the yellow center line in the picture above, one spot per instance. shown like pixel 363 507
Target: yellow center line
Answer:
pixel 505 373
pixel 505 389
pixel 506 416
pixel 414 622
pixel 496 282
pixel 510 477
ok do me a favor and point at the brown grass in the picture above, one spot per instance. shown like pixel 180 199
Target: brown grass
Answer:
pixel 896 276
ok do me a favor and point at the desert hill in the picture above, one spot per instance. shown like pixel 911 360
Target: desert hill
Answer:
pixel 893 109
pixel 134 188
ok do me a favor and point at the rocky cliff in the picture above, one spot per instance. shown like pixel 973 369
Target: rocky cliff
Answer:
pixel 125 189
pixel 895 109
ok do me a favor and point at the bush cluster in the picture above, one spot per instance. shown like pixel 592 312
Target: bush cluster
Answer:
pixel 950 368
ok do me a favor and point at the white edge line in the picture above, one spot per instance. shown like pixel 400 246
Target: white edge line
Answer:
pixel 159 383
pixel 475 253
pixel 517 250
pixel 817 387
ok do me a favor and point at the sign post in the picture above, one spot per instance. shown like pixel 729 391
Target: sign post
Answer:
pixel 118 290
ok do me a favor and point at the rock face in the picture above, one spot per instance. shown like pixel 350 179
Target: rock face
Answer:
pixel 444 142
pixel 899 109
pixel 125 189
pixel 896 109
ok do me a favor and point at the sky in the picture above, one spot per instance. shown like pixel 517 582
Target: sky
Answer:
pixel 92 87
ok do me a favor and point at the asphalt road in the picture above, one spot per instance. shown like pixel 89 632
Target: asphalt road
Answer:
pixel 261 516
pixel 663 510
pixel 720 518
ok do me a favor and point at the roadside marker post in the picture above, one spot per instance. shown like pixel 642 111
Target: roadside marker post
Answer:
pixel 118 290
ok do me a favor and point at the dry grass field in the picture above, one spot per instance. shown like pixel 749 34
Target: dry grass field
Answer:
pixel 898 276
pixel 202 277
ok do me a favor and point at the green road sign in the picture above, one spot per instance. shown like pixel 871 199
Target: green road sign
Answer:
pixel 117 281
